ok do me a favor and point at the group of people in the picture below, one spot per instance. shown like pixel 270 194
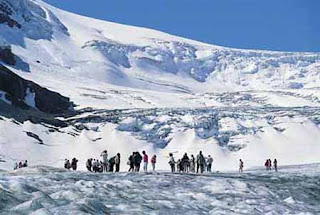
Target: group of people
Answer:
pixel 135 160
pixel 105 165
pixel 192 164
pixel 71 165
pixel 186 164
pixel 268 164
pixel 21 164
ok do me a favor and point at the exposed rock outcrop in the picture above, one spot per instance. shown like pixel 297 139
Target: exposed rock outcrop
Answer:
pixel 7 56
pixel 17 88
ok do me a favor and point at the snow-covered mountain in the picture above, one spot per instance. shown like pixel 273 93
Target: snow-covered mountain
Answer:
pixel 144 89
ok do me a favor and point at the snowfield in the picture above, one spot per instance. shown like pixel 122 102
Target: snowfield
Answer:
pixel 47 190
pixel 148 90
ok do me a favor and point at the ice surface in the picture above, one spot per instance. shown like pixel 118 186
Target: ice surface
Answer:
pixel 47 190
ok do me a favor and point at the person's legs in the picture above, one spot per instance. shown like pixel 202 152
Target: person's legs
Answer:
pixel 153 166
pixel 145 166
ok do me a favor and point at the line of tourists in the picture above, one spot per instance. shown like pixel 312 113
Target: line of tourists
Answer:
pixel 268 164
pixel 135 160
pixel 186 164
pixel 192 164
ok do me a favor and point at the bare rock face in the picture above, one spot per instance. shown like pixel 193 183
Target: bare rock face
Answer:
pixel 17 90
pixel 5 13
pixel 7 56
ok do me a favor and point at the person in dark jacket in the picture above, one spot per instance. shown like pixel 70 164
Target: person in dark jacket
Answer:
pixel 201 162
pixel 117 162
pixel 25 164
pixel 67 164
pixel 131 162
pixel 275 165
pixel 89 164
pixel 112 162
pixel 185 163
pixel 74 165
pixel 137 161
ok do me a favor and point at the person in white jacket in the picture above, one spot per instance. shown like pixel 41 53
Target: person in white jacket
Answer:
pixel 104 156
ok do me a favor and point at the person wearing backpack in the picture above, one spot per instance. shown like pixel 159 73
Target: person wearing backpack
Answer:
pixel 137 161
pixel 112 163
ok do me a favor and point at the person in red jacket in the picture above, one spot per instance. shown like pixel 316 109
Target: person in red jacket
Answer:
pixel 153 162
pixel 145 161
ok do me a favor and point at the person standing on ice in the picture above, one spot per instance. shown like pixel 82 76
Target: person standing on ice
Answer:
pixel 241 165
pixel 104 156
pixel 153 162
pixel 112 162
pixel 172 163
pixel 117 162
pixel 145 161
pixel 89 164
pixel 209 163
pixel 25 164
pixel 185 163
pixel 131 162
pixel 266 164
pixel 67 164
pixel 74 164
pixel 275 165
pixel 192 164
pixel 201 162
pixel 270 164
pixel 137 161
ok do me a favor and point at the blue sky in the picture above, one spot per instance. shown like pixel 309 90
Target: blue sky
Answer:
pixel 286 25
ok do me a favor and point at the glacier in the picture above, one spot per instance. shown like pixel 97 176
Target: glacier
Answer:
pixel 47 190
pixel 137 89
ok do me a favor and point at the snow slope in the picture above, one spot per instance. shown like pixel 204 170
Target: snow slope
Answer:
pixel 154 91
pixel 75 51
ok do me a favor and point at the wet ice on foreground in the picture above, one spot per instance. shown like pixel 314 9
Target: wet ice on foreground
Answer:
pixel 46 190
